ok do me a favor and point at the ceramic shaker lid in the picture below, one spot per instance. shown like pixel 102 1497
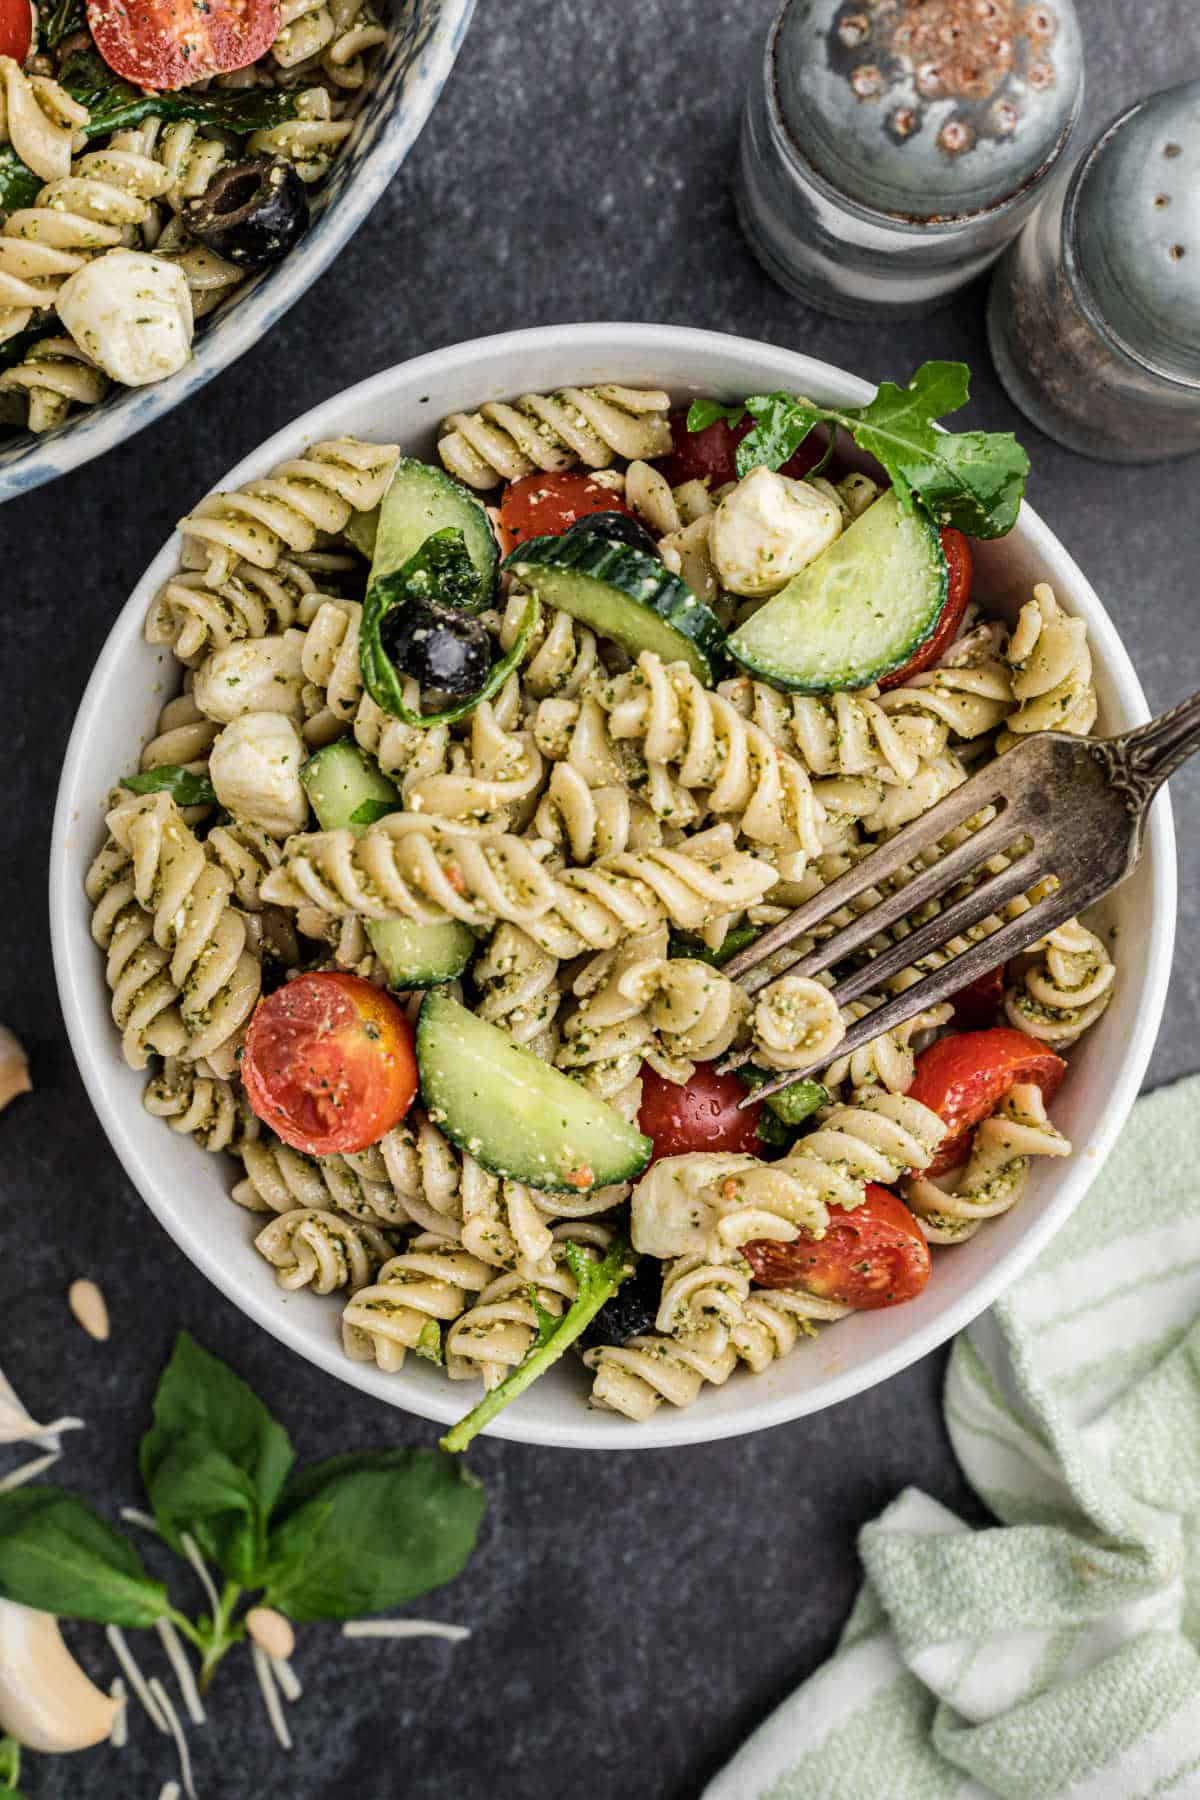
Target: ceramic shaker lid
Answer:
pixel 1136 230
pixel 928 108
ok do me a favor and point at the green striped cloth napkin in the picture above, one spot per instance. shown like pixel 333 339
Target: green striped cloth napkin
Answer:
pixel 1055 1655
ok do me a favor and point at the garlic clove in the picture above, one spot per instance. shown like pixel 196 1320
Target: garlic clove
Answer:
pixel 14 1068
pixel 46 1700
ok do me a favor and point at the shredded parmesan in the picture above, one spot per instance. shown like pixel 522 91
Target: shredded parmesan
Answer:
pixel 176 1729
pixel 403 1628
pixel 192 1551
pixel 134 1516
pixel 169 1792
pixel 287 1678
pixel 134 1676
pixel 28 1471
pixel 270 1694
pixel 182 1668
pixel 16 1426
pixel 118 1737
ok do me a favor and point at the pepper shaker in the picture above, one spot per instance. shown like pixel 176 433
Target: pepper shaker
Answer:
pixel 892 148
pixel 1094 314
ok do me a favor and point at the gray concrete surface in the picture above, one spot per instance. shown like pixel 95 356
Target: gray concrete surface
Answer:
pixel 633 1615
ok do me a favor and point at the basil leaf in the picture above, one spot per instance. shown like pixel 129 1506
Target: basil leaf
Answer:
pixel 973 480
pixel 682 943
pixel 379 674
pixel 703 413
pixel 58 1555
pixel 115 105
pixel 19 186
pixel 791 1105
pixel 206 1413
pixel 595 1282
pixel 364 1533
pixel 184 788
pixel 65 18
pixel 372 810
pixel 440 570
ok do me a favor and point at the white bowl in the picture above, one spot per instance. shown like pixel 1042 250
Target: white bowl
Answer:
pixel 188 1190
pixel 405 83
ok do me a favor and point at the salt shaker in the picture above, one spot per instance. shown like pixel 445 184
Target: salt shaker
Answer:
pixel 1094 314
pixel 892 148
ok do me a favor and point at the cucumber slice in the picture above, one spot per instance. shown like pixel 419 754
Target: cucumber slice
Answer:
pixel 419 501
pixel 623 594
pixel 361 531
pixel 338 781
pixel 514 1113
pixel 856 613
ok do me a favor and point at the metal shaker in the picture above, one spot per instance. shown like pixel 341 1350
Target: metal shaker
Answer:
pixel 891 148
pixel 1094 314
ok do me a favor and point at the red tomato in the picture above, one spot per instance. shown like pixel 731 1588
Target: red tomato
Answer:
pixel 544 505
pixel 978 1004
pixel 173 43
pixel 16 29
pixel 329 1063
pixel 957 551
pixel 709 455
pixel 872 1255
pixel 964 1078
pixel 701 1116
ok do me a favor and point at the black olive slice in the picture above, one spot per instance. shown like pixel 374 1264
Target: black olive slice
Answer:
pixel 441 647
pixel 251 212
pixel 618 526
pixel 632 1310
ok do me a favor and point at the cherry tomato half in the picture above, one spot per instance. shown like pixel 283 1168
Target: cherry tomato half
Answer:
pixel 957 551
pixel 16 29
pixel 872 1255
pixel 703 1115
pixel 164 44
pixel 545 505
pixel 978 1004
pixel 329 1063
pixel 964 1078
pixel 710 455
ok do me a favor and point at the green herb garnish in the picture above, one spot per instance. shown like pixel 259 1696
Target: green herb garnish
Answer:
pixel 10 1768
pixel 703 413
pixel 185 788
pixel 115 105
pixel 791 1105
pixel 19 187
pixel 442 570
pixel 683 944
pixel 973 480
pixel 64 19
pixel 350 1535
pixel 595 1283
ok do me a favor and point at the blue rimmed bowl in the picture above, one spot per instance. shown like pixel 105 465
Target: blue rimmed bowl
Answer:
pixel 403 90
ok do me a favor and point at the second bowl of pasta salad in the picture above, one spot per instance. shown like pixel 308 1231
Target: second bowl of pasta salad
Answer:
pixel 489 738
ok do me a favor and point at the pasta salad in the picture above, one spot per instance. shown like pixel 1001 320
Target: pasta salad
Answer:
pixel 152 159
pixel 479 771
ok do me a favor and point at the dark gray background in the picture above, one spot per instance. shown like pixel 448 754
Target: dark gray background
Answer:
pixel 634 1615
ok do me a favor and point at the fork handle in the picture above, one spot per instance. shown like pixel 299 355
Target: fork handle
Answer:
pixel 1140 761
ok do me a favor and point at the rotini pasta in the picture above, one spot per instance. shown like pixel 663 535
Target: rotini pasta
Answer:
pixel 308 1247
pixel 1065 990
pixel 419 1290
pixel 503 442
pixel 994 1178
pixel 1051 671
pixel 212 1111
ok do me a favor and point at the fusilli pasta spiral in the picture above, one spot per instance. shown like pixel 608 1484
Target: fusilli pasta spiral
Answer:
pixel 309 1247
pixel 1065 990
pixel 994 1177
pixel 201 1105
pixel 1051 671
pixel 503 441
pixel 426 1285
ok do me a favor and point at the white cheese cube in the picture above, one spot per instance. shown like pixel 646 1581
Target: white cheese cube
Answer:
pixel 254 765
pixel 132 314
pixel 255 675
pixel 768 529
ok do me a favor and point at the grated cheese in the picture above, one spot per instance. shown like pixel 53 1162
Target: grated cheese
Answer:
pixel 16 1426
pixel 133 1515
pixel 403 1628
pixel 176 1729
pixel 170 1791
pixel 182 1669
pixel 270 1694
pixel 134 1676
pixel 287 1678
pixel 191 1550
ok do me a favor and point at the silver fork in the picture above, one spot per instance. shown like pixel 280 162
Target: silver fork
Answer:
pixel 1065 807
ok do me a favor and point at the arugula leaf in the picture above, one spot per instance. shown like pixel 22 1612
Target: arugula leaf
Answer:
pixel 184 788
pixel 379 673
pixel 58 1555
pixel 372 810
pixel 214 1462
pixel 703 413
pixel 360 1534
pixel 682 943
pixel 973 480
pixel 115 105
pixel 19 186
pixel 595 1283
pixel 65 18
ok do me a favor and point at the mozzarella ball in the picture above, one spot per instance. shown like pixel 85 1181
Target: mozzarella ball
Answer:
pixel 253 676
pixel 132 314
pixel 254 766
pixel 768 529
